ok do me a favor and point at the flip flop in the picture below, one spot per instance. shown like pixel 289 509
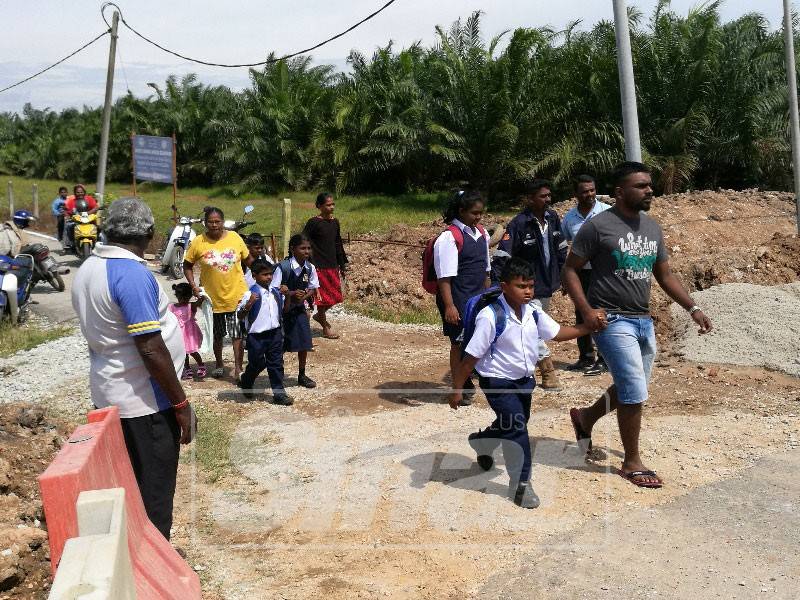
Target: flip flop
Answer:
pixel 218 372
pixel 580 434
pixel 187 374
pixel 642 484
pixel 201 372
pixel 331 336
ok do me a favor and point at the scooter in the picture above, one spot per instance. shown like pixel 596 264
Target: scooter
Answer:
pixel 85 234
pixel 45 266
pixel 179 240
pixel 16 275
pixel 237 226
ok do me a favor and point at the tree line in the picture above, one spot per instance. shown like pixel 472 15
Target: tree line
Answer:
pixel 712 100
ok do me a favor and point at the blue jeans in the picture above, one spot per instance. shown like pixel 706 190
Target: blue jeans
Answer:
pixel 628 346
pixel 511 402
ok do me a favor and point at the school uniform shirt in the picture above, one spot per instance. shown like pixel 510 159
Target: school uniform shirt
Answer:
pixel 269 314
pixel 515 352
pixel 313 279
pixel 116 299
pixel 445 251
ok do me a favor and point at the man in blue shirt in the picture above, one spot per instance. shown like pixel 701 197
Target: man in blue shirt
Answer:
pixel 588 206
pixel 57 209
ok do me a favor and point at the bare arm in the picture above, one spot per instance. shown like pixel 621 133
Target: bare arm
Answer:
pixel 570 332
pixel 188 272
pixel 446 291
pixel 460 375
pixel 158 362
pixel 674 289
pixel 569 278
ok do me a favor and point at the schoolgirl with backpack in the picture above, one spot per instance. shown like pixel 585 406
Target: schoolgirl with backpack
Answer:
pixel 458 261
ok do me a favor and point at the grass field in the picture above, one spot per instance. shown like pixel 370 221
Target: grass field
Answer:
pixel 27 336
pixel 358 214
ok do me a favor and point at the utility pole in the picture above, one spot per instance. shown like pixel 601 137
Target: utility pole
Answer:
pixel 791 74
pixel 627 85
pixel 104 132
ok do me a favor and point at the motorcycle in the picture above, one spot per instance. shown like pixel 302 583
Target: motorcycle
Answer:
pixel 237 226
pixel 85 234
pixel 16 275
pixel 177 244
pixel 45 266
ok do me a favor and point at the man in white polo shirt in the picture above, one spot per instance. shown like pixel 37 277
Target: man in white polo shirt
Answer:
pixel 136 352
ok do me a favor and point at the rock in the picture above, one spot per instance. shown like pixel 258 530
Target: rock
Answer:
pixel 30 417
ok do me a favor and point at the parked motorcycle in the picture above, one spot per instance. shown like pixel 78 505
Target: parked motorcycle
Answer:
pixel 16 275
pixel 237 226
pixel 177 244
pixel 45 266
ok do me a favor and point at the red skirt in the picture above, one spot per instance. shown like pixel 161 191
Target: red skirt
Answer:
pixel 330 288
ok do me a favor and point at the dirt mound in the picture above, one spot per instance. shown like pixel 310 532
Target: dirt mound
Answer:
pixel 713 238
pixel 28 442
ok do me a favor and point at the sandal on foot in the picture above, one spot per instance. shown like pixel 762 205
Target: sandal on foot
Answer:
pixel 217 373
pixel 580 435
pixel 642 484
pixel 187 374
pixel 201 372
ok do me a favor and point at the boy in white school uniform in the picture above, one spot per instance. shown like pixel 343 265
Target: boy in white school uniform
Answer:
pixel 262 309
pixel 505 364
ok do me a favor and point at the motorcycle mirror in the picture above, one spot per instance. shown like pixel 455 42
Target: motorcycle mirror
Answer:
pixel 248 209
pixel 173 207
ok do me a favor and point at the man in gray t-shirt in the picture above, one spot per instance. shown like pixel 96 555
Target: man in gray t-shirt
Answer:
pixel 626 248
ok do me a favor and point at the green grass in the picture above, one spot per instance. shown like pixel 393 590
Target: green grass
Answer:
pixel 428 316
pixel 24 337
pixel 213 442
pixel 358 214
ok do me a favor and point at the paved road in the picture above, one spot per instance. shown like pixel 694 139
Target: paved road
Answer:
pixel 57 306
pixel 737 538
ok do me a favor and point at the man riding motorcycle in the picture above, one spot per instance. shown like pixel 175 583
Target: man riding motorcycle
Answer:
pixel 80 201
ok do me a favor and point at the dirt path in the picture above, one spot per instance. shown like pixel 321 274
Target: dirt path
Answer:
pixel 353 493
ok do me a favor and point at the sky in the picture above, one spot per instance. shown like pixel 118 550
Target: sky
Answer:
pixel 40 32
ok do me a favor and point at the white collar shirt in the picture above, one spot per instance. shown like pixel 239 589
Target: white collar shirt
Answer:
pixel 313 278
pixel 269 315
pixel 445 250
pixel 515 353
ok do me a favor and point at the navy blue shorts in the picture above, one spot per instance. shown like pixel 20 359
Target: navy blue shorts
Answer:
pixel 296 332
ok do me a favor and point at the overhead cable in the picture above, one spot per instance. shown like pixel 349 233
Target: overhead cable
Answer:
pixel 55 64
pixel 253 64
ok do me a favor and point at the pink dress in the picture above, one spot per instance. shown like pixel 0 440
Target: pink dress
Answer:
pixel 192 337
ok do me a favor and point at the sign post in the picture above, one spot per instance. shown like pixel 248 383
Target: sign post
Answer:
pixel 174 178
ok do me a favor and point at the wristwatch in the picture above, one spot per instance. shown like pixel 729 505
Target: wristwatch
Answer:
pixel 694 309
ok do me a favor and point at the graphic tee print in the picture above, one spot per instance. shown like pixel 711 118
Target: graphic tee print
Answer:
pixel 623 253
pixel 220 265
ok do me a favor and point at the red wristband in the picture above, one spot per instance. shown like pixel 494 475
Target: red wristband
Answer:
pixel 181 405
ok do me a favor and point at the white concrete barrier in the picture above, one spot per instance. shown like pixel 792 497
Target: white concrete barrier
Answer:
pixel 96 565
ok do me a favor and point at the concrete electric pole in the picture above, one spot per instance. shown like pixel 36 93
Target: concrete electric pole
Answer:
pixel 794 120
pixel 105 131
pixel 627 85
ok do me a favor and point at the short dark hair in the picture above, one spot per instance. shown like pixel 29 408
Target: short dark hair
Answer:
pixel 322 197
pixel 210 210
pixel 623 170
pixel 531 187
pixel 516 267
pixel 254 239
pixel 62 188
pixel 582 179
pixel 260 265
pixel 182 290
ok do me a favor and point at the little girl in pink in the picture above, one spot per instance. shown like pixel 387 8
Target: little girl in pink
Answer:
pixel 185 310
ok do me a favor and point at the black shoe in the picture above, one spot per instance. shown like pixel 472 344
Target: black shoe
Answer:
pixel 306 381
pixel 282 399
pixel 246 392
pixel 582 364
pixel 598 368
pixel 483 448
pixel 525 497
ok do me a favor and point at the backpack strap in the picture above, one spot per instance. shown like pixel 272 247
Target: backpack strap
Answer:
pixel 286 268
pixel 500 320
pixel 458 236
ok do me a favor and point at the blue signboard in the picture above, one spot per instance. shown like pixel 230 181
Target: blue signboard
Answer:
pixel 152 158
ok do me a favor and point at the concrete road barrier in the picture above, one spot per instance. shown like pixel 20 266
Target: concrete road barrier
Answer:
pixel 97 564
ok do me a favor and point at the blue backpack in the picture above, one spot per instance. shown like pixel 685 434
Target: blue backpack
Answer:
pixel 491 298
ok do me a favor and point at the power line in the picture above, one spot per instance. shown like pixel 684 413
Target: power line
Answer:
pixel 255 64
pixel 55 64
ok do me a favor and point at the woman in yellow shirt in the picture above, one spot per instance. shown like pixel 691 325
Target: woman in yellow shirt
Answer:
pixel 220 254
